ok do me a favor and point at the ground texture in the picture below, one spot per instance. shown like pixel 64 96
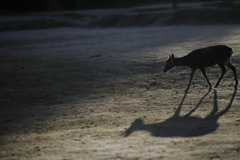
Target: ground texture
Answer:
pixel 71 93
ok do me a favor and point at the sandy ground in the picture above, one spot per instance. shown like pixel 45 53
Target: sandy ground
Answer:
pixel 71 93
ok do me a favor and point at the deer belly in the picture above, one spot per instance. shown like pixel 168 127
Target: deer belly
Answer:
pixel 210 63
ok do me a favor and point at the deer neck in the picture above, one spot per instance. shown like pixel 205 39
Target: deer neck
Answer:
pixel 183 61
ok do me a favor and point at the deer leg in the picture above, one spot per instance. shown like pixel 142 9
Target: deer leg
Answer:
pixel 191 76
pixel 223 72
pixel 229 65
pixel 205 75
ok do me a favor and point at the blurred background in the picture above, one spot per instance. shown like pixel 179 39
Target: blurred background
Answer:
pixel 28 14
pixel 50 5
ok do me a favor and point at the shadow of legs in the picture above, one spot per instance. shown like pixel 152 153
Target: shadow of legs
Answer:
pixel 176 114
pixel 187 115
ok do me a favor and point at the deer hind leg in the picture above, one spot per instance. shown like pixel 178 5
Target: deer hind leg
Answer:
pixel 223 72
pixel 205 75
pixel 229 65
pixel 191 76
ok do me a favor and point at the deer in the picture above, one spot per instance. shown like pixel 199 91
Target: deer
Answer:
pixel 202 58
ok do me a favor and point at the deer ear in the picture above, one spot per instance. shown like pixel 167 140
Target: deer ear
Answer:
pixel 172 56
pixel 169 56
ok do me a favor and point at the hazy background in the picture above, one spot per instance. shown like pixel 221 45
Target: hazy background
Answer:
pixel 27 14
pixel 49 5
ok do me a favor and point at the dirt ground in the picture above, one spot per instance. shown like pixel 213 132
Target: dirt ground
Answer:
pixel 71 93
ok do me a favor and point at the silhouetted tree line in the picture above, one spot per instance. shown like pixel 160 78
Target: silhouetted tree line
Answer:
pixel 48 5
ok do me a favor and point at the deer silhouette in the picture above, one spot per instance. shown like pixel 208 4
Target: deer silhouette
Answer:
pixel 202 58
pixel 185 126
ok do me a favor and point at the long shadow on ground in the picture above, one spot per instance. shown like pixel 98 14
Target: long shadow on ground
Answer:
pixel 185 126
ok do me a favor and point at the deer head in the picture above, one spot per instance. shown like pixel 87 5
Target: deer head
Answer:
pixel 169 64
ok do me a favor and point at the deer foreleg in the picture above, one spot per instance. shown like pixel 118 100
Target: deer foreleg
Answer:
pixel 191 76
pixel 223 72
pixel 229 65
pixel 205 75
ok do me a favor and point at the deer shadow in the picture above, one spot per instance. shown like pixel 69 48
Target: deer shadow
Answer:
pixel 184 126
